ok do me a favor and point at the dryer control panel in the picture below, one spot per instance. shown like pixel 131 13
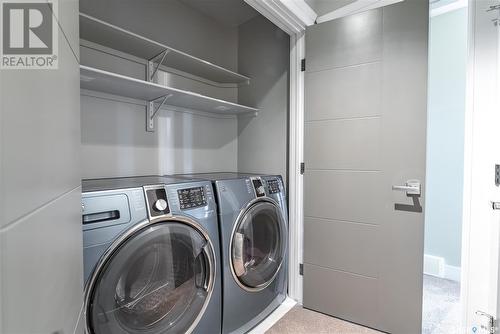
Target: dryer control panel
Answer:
pixel 157 201
pixel 273 186
pixel 192 198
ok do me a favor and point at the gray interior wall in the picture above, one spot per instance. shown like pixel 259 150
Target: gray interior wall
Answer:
pixel 115 142
pixel 114 139
pixel 263 54
pixel 40 212
pixel 172 23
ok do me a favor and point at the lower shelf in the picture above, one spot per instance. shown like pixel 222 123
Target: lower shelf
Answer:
pixel 116 84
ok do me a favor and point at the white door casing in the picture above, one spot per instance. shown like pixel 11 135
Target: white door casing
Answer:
pixel 481 233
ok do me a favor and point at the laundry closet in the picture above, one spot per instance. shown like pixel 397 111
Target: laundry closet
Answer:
pixel 181 86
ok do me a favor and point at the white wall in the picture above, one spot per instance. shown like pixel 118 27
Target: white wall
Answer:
pixel 445 135
pixel 264 56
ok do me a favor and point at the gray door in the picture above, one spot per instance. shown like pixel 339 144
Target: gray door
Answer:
pixel 365 131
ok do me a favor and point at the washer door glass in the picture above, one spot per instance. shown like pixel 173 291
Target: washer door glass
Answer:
pixel 159 280
pixel 258 245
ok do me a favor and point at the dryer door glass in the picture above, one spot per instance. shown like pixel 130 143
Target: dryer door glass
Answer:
pixel 258 245
pixel 159 280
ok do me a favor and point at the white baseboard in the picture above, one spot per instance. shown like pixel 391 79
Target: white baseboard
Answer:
pixel 436 266
pixel 273 318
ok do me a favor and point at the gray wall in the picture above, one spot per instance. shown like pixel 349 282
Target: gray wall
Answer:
pixel 445 135
pixel 172 23
pixel 40 212
pixel 114 140
pixel 263 54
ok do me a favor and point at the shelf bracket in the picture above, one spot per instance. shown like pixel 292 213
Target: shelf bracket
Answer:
pixel 153 66
pixel 152 111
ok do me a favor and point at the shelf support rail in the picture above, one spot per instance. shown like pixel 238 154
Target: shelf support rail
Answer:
pixel 152 67
pixel 152 111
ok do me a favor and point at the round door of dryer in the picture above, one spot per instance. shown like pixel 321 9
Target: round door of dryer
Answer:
pixel 258 245
pixel 156 278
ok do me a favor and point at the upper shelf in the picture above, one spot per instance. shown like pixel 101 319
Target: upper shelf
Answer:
pixel 100 32
pixel 116 84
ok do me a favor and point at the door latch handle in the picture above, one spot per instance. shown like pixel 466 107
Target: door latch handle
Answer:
pixel 411 187
pixel 495 205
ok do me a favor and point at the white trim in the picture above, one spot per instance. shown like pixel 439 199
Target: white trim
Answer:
pixel 286 16
pixel 354 8
pixel 291 23
pixel 296 156
pixel 452 273
pixel 467 186
pixel 459 4
pixel 274 317
pixel 436 266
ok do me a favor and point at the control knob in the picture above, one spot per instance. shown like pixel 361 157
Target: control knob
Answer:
pixel 160 205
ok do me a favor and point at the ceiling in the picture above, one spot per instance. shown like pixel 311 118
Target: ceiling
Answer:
pixel 322 7
pixel 228 12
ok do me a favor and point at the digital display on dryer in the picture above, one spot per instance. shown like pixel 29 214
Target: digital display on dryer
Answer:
pixel 273 186
pixel 192 198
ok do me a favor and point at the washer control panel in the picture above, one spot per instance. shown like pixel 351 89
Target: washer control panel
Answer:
pixel 258 186
pixel 273 186
pixel 157 201
pixel 192 198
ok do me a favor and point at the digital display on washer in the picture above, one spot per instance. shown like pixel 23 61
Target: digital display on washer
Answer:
pixel 191 197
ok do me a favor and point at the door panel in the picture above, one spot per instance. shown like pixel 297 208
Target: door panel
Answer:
pixel 343 195
pixel 356 91
pixel 354 247
pixel 344 144
pixel 355 299
pixel 363 244
pixel 355 40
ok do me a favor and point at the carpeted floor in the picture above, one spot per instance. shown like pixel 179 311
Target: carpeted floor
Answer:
pixel 441 311
pixel 441 314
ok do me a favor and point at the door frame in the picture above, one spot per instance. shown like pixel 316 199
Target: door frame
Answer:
pixel 293 18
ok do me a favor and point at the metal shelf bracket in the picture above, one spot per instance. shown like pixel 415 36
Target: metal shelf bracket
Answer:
pixel 152 111
pixel 154 66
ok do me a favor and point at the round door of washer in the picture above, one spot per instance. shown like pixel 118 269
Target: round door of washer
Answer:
pixel 157 278
pixel 258 245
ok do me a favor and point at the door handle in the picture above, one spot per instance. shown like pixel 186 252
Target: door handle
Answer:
pixel 411 187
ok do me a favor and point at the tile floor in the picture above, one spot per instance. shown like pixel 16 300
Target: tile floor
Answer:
pixel 441 313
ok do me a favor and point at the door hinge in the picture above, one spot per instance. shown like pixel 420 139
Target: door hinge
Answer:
pixel 302 168
pixel 489 325
pixel 303 65
pixel 301 269
pixel 497 175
